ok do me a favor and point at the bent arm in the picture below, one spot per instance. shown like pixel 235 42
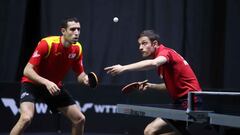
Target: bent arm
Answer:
pixel 154 86
pixel 32 75
pixel 160 86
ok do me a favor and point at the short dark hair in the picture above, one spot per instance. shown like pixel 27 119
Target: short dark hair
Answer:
pixel 150 34
pixel 64 23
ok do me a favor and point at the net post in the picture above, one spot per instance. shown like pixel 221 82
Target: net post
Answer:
pixel 190 102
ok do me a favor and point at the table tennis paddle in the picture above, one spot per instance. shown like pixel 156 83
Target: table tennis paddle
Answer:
pixel 132 86
pixel 93 80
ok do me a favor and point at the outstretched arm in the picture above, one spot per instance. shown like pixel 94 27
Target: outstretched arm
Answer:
pixel 138 66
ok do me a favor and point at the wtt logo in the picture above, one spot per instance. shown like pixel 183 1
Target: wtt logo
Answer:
pixel 98 108
pixel 42 108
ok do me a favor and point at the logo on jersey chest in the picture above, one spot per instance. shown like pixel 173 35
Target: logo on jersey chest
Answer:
pixel 72 55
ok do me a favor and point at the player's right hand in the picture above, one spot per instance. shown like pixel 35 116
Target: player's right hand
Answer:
pixel 52 88
pixel 143 85
pixel 114 70
pixel 85 80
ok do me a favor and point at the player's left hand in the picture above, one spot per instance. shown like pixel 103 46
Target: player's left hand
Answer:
pixel 114 70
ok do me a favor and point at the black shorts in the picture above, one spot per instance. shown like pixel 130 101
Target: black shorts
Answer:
pixel 182 103
pixel 35 93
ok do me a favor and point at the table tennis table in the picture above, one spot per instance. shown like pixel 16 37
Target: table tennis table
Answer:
pixel 207 114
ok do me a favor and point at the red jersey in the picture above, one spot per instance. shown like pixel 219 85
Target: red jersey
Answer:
pixel 178 76
pixel 52 60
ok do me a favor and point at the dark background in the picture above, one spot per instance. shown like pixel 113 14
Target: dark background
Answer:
pixel 205 32
pixel 104 120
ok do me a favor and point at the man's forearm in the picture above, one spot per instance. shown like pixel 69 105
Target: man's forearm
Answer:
pixel 32 75
pixel 154 86
pixel 140 66
pixel 146 64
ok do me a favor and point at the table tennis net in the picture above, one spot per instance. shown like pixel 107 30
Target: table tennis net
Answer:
pixel 219 102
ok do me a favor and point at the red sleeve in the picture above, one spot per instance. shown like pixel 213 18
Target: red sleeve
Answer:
pixel 40 52
pixel 165 53
pixel 78 65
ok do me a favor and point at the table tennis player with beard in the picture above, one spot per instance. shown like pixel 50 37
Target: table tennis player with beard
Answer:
pixel 179 78
pixel 43 75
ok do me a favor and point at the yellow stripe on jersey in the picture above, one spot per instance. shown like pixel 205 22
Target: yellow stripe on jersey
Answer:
pixel 56 39
pixel 80 49
pixel 50 40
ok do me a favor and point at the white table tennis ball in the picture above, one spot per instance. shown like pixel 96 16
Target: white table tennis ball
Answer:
pixel 115 19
